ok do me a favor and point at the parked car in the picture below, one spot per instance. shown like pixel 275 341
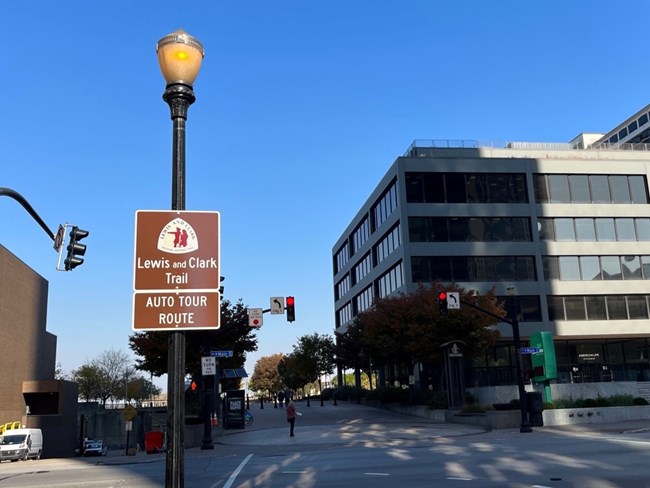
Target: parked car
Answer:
pixel 93 447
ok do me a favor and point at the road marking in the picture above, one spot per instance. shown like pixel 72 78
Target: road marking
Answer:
pixel 376 474
pixel 294 472
pixel 235 473
pixel 458 479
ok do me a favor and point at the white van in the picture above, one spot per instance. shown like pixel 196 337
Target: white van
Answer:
pixel 21 444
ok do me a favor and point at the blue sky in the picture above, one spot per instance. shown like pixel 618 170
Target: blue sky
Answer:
pixel 301 107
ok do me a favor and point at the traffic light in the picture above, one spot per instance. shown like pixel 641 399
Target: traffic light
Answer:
pixel 442 302
pixel 193 385
pixel 75 249
pixel 290 308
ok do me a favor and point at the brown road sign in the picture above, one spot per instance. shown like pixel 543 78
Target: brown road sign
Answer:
pixel 176 275
pixel 176 250
pixel 182 310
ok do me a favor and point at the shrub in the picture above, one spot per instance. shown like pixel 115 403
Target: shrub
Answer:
pixel 640 401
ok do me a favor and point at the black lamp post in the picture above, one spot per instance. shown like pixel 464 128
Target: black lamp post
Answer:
pixel 525 423
pixel 180 56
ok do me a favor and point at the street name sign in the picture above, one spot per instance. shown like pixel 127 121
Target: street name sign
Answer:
pixel 531 350
pixel 221 354
pixel 176 270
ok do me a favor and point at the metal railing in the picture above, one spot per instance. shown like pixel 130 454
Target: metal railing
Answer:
pixel 413 152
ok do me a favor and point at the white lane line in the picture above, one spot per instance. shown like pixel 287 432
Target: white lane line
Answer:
pixel 294 472
pixel 458 479
pixel 233 476
pixel 376 474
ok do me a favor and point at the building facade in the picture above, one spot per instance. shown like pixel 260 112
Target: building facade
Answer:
pixel 566 225
pixel 29 394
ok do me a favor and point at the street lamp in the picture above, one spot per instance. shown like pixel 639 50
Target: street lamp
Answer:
pixel 180 56
pixel 525 424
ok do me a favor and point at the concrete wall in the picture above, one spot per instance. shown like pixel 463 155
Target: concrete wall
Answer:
pixel 489 395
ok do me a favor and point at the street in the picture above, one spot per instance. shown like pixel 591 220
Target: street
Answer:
pixel 349 445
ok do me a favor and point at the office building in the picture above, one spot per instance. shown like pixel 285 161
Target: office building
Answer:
pixel 567 225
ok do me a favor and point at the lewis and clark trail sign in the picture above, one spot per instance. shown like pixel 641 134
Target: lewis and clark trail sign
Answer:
pixel 176 270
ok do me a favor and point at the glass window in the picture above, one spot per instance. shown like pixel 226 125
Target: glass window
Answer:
pixel 585 230
pixel 517 188
pixel 575 308
pixel 638 189
pixel 440 269
pixel 637 307
pixel 529 306
pixel 460 268
pixel 455 187
pixel 417 229
pixel 564 230
pixel 559 185
pixel 525 268
pixel 625 230
pixel 599 189
pixel 635 351
pixel 622 133
pixel 505 269
pixel 631 268
pixel 414 187
pixel 541 190
pixel 458 229
pixel 569 269
pixel 437 230
pixel 616 309
pixel 477 188
pixel 643 119
pixel 611 266
pixel 420 270
pixel 590 267
pixel 645 266
pixel 619 189
pixel 614 139
pixel 643 229
pixel 551 268
pixel 555 308
pixel 434 189
pixel 579 188
pixel 545 228
pixel 498 188
pixel 596 308
pixel 632 126
pixel 605 230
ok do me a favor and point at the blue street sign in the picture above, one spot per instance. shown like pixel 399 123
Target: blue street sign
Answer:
pixel 531 350
pixel 221 354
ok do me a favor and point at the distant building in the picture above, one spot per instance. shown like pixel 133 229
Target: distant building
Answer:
pixel 566 224
pixel 29 394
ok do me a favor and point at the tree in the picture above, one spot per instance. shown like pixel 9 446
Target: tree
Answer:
pixel 235 334
pixel 87 377
pixel 112 366
pixel 59 374
pixel 140 389
pixel 312 356
pixel 265 374
pixel 292 370
pixel 409 326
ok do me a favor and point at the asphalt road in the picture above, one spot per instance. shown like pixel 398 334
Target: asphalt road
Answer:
pixel 349 445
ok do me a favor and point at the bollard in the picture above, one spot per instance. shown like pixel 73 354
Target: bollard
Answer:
pixel 261 403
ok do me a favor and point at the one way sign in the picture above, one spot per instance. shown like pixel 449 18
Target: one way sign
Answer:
pixel 453 300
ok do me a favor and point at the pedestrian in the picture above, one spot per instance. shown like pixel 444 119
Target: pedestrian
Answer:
pixel 281 398
pixel 291 416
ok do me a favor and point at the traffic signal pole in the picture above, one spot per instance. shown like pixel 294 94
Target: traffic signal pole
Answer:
pixel 523 407
pixel 8 192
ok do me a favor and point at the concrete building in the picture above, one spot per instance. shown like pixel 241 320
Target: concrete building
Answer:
pixel 29 394
pixel 566 224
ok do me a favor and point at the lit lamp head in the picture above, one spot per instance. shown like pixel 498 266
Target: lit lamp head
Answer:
pixel 180 56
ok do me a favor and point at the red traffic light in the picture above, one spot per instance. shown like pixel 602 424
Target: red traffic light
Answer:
pixel 442 295
pixel 193 385
pixel 290 307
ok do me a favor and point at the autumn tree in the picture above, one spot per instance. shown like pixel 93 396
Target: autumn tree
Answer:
pixel 409 326
pixel 234 334
pixel 265 374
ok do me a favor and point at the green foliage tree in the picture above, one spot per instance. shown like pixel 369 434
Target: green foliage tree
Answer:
pixel 87 379
pixel 235 334
pixel 312 356
pixel 265 377
pixel 293 371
